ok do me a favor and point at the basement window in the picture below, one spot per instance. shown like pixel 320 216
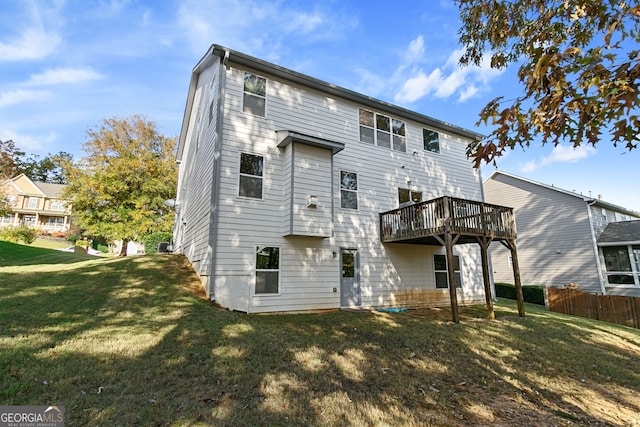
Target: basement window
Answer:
pixel 442 275
pixel 267 270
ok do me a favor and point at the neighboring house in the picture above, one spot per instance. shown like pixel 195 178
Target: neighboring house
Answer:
pixel 35 204
pixel 559 234
pixel 290 192
pixel 619 246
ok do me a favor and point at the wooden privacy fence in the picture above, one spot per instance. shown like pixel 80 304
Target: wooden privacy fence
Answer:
pixel 609 308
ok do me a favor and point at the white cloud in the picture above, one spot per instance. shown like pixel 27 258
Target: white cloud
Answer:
pixel 34 43
pixel 38 35
pixel 63 75
pixel 20 95
pixel 257 27
pixel 559 154
pixel 445 81
pixel 28 143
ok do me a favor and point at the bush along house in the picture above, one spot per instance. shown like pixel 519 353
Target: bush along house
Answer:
pixel 298 195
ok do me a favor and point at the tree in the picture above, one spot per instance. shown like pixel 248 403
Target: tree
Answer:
pixel 578 62
pixel 118 190
pixel 9 154
pixel 49 169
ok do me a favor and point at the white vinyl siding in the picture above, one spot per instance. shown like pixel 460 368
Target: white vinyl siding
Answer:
pixel 555 245
pixel 309 270
pixel 195 213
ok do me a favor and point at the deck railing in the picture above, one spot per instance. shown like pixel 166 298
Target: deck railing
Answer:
pixel 460 216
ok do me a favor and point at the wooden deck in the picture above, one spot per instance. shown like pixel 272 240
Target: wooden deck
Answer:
pixel 448 221
pixel 422 223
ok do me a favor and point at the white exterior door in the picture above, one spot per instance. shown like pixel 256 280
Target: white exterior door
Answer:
pixel 350 295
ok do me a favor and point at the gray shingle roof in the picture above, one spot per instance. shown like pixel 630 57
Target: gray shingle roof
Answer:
pixel 52 191
pixel 625 231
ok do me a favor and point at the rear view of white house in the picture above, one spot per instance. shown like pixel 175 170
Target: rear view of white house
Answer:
pixel 297 195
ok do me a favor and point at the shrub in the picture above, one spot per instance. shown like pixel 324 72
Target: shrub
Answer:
pixel 22 234
pixel 151 241
pixel 102 248
pixel 531 293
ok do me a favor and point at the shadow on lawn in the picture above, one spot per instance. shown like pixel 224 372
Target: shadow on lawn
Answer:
pixel 188 363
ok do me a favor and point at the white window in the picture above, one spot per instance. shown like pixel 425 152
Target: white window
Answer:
pixel 442 275
pixel 406 196
pixel 431 140
pixel 54 221
pixel 6 219
pixel 255 94
pixel 251 170
pixel 267 270
pixel 381 130
pixel 348 190
pixel 33 203
pixel 12 200
pixel 618 263
pixel 57 205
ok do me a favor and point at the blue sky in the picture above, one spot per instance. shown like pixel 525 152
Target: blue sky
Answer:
pixel 66 65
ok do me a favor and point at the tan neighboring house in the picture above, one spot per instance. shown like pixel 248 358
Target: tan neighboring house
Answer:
pixel 35 204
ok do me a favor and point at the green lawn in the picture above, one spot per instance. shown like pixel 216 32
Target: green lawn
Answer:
pixel 131 341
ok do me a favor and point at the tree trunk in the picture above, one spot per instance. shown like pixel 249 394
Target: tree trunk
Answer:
pixel 123 249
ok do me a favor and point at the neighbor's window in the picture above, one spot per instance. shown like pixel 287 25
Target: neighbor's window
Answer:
pixel 381 130
pixel 431 140
pixel 348 190
pixel 12 200
pixel 6 219
pixel 255 92
pixel 618 264
pixel 405 195
pixel 57 205
pixel 267 270
pixel 33 203
pixel 442 276
pixel 251 170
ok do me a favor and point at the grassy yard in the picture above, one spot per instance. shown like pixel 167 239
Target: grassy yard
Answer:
pixel 133 342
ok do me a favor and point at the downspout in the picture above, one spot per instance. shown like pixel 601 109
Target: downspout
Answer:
pixel 595 246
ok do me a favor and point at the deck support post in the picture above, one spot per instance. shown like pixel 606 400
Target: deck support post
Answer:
pixel 511 245
pixel 484 255
pixel 453 295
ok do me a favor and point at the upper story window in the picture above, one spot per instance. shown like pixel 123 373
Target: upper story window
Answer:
pixel 405 196
pixel 32 203
pixel 431 140
pixel 57 205
pixel 255 93
pixel 251 170
pixel 12 200
pixel 348 190
pixel 383 131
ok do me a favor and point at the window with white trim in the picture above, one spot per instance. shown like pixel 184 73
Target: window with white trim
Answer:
pixel 251 171
pixel 255 94
pixel 267 270
pixel 622 264
pixel 6 219
pixel 431 140
pixel 406 195
pixel 442 275
pixel 348 190
pixel 57 205
pixel 33 203
pixel 381 130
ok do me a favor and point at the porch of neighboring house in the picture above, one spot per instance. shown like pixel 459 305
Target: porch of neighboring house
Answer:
pixel 447 221
pixel 41 221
